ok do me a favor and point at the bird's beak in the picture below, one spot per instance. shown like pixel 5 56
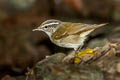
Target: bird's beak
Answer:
pixel 37 29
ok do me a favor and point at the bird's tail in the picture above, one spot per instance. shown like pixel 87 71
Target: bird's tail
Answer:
pixel 92 27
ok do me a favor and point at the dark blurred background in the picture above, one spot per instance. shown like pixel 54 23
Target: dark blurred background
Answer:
pixel 21 48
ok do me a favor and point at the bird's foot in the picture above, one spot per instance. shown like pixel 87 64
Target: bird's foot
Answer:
pixel 80 57
pixel 84 55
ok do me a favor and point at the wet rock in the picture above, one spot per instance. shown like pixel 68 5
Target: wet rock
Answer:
pixel 52 68
pixel 103 66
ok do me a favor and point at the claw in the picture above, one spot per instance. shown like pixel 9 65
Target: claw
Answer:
pixel 85 53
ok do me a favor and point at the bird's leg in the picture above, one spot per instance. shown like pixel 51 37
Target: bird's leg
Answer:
pixel 78 49
pixel 72 54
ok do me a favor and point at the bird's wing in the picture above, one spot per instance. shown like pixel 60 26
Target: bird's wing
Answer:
pixel 68 28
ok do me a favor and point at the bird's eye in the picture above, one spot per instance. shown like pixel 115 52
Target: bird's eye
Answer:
pixel 45 27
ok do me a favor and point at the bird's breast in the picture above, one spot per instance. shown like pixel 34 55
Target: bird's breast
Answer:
pixel 71 41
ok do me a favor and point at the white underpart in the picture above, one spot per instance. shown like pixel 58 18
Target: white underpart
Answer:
pixel 86 33
pixel 69 44
pixel 48 33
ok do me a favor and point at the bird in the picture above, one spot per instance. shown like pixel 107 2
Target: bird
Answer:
pixel 67 34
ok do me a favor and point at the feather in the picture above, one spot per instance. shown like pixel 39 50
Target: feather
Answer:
pixel 66 28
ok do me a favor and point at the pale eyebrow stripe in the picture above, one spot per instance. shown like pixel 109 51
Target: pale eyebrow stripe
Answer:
pixel 50 24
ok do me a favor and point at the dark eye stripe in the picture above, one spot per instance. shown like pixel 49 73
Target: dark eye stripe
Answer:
pixel 52 25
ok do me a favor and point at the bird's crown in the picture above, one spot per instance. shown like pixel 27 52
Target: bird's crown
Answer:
pixel 50 23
